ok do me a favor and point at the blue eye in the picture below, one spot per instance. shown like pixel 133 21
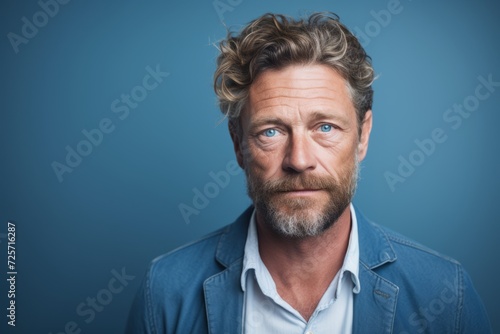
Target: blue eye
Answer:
pixel 325 128
pixel 270 132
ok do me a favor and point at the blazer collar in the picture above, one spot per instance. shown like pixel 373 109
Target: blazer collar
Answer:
pixel 223 294
pixel 231 245
pixel 375 305
pixel 375 248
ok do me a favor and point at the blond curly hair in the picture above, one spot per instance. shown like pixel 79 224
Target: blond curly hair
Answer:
pixel 275 41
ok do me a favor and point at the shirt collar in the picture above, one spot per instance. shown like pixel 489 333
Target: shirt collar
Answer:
pixel 351 259
pixel 252 259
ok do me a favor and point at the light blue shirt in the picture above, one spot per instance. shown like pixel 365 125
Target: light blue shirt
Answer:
pixel 265 312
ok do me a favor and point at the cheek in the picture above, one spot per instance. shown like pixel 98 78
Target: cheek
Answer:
pixel 335 159
pixel 266 161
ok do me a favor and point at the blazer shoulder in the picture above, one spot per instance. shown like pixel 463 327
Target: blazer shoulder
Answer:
pixel 190 254
pixel 404 245
pixel 173 280
pixel 214 246
pixel 200 259
pixel 427 278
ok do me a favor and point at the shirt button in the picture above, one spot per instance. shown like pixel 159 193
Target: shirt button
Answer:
pixel 309 332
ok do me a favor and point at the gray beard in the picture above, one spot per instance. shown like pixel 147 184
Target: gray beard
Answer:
pixel 295 218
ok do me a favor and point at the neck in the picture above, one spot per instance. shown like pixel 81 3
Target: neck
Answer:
pixel 311 255
pixel 302 269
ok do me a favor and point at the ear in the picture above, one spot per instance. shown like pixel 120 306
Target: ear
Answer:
pixel 366 128
pixel 237 144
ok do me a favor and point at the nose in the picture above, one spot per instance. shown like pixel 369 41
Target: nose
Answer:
pixel 299 155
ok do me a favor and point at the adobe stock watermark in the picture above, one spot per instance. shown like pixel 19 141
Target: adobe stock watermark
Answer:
pixel 381 19
pixel 420 320
pixel 223 6
pixel 88 309
pixel 453 118
pixel 254 318
pixel 202 196
pixel 121 108
pixel 30 27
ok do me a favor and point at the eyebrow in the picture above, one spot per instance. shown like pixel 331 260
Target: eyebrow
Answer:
pixel 313 117
pixel 320 115
pixel 267 121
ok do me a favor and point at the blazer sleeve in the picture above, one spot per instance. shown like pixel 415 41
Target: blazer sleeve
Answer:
pixel 473 317
pixel 140 319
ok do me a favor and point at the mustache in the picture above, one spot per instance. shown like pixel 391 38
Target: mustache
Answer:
pixel 299 182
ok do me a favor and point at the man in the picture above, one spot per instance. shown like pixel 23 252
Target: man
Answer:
pixel 302 259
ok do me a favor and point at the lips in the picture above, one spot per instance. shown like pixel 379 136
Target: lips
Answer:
pixel 300 191
pixel 299 184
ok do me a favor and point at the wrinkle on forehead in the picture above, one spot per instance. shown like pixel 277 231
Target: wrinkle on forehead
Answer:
pixel 301 79
pixel 282 101
pixel 314 86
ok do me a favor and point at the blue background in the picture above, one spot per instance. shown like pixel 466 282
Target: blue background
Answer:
pixel 119 208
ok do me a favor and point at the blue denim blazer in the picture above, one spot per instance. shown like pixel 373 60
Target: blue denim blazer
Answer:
pixel 405 287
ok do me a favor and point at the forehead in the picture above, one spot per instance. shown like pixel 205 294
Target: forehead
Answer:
pixel 300 87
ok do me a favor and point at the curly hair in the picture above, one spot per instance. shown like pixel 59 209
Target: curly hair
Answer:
pixel 274 41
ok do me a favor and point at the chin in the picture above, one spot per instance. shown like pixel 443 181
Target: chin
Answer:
pixel 298 222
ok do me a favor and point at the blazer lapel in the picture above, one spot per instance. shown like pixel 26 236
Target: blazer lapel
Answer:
pixel 223 293
pixel 375 304
pixel 224 301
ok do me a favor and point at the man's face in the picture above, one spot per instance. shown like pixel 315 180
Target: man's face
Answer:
pixel 300 147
